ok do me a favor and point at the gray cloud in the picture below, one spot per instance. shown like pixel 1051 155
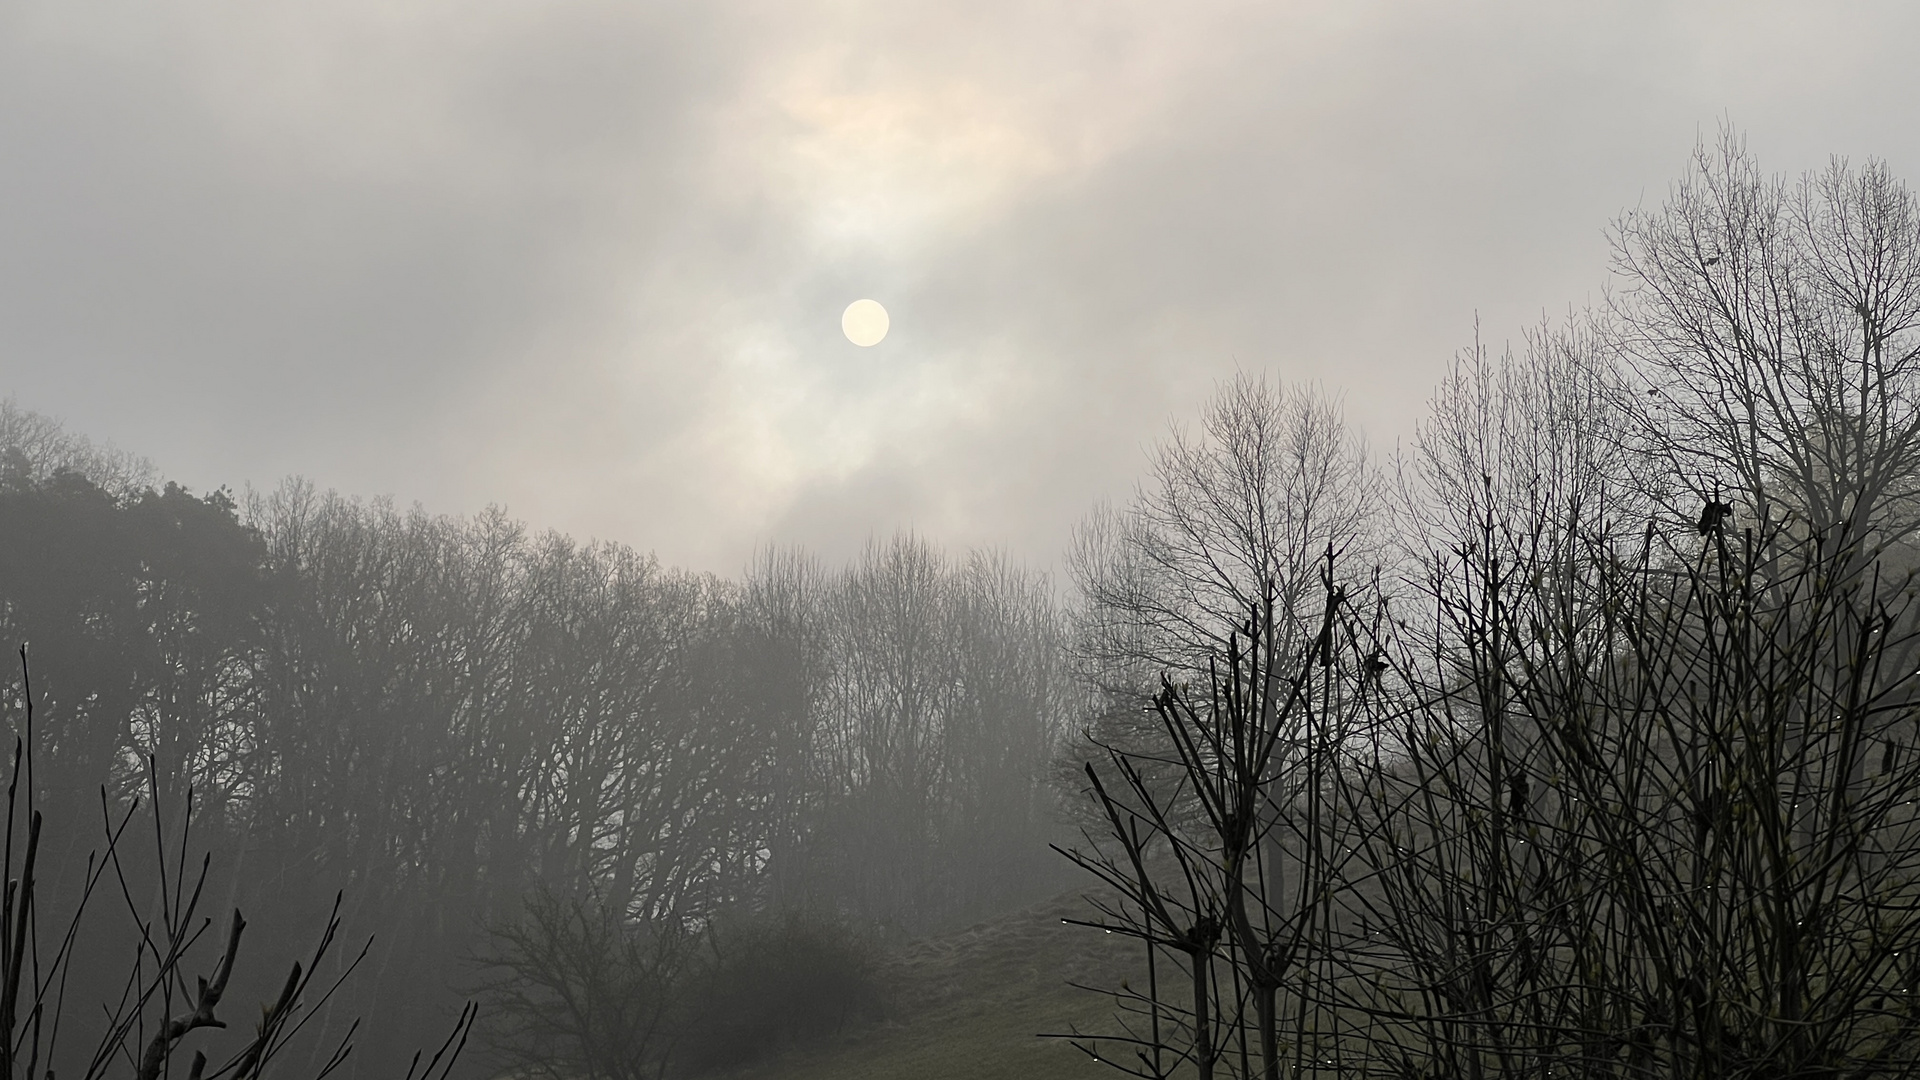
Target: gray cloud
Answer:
pixel 588 259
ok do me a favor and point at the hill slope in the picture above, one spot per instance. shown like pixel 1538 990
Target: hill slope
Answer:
pixel 969 1005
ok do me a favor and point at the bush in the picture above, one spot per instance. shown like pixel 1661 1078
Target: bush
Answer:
pixel 777 981
pixel 577 991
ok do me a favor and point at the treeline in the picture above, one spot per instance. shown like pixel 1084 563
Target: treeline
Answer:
pixel 445 717
pixel 1582 742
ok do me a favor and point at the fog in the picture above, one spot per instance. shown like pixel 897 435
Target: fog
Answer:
pixel 586 261
pixel 1331 476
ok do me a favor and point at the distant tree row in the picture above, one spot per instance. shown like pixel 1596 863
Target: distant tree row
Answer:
pixel 445 717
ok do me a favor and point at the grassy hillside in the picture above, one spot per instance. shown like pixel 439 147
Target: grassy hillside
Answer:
pixel 969 1005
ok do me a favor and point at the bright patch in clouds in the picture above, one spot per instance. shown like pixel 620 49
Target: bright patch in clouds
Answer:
pixel 585 258
pixel 891 164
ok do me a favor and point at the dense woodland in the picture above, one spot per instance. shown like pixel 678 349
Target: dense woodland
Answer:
pixel 442 717
pixel 1578 739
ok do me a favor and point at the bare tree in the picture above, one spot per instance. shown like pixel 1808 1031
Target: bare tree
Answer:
pixel 34 446
pixel 585 991
pixel 943 701
pixel 1638 792
pixel 1684 845
pixel 156 1013
pixel 1232 518
pixel 1772 326
pixel 1240 894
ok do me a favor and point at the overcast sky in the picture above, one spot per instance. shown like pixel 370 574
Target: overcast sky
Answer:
pixel 587 260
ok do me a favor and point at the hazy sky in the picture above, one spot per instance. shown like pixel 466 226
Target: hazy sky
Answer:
pixel 587 260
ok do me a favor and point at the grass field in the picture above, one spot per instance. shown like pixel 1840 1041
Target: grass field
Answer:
pixel 970 1005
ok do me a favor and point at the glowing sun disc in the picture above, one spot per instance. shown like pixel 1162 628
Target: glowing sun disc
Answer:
pixel 865 322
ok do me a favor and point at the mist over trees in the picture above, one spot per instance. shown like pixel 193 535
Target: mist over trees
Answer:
pixel 443 717
pixel 1577 738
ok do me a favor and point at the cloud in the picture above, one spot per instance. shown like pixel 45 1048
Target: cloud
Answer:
pixel 588 259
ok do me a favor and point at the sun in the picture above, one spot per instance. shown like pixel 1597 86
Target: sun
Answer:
pixel 865 322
